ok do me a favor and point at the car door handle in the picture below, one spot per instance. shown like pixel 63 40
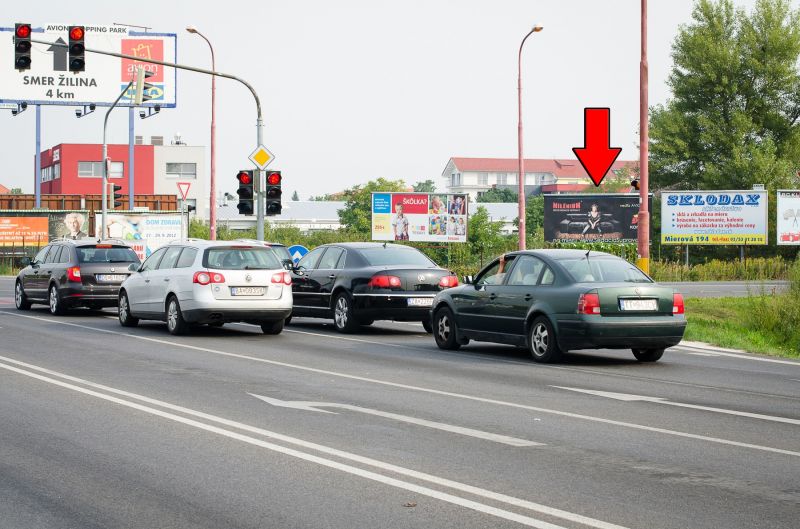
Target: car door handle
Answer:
pixel 492 296
pixel 332 276
pixel 166 279
pixel 146 280
pixel 528 297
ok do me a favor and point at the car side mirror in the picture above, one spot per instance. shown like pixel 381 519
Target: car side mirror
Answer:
pixel 288 264
pixel 133 267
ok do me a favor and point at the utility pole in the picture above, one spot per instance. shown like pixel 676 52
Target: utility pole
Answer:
pixel 643 229
pixel 105 162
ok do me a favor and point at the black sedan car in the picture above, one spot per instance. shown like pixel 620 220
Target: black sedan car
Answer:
pixel 71 273
pixel 552 301
pixel 358 283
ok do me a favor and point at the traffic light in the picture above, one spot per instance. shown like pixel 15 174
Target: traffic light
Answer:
pixel 22 46
pixel 635 184
pixel 274 193
pixel 245 192
pixel 141 89
pixel 117 196
pixel 77 49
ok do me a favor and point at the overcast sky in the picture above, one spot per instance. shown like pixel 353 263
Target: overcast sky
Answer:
pixel 355 90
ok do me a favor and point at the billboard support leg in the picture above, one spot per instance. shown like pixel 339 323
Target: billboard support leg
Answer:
pixel 131 171
pixel 38 159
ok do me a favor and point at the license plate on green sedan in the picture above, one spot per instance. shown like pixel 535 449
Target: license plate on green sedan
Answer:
pixel 420 302
pixel 247 291
pixel 639 304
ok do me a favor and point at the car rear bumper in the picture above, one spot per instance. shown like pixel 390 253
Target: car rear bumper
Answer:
pixel 380 307
pixel 75 294
pixel 212 315
pixel 599 332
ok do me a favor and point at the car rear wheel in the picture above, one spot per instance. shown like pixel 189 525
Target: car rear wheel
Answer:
pixel 175 323
pixel 445 330
pixel 272 327
pixel 20 299
pixel 343 318
pixel 426 324
pixel 56 305
pixel 542 342
pixel 287 321
pixel 125 318
pixel 648 355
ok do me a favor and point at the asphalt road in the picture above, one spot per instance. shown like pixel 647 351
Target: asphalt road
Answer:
pixel 105 427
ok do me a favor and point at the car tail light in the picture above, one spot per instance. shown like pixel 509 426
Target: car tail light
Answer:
pixel 589 304
pixel 74 274
pixel 677 304
pixel 282 278
pixel 385 282
pixel 204 278
pixel 448 282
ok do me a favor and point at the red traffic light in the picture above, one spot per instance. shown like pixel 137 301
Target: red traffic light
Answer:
pixel 244 178
pixel 23 31
pixel 274 179
pixel 76 33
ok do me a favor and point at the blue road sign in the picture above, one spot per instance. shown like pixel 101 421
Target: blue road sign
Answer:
pixel 297 252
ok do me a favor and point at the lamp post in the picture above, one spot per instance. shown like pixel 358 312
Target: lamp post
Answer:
pixel 643 229
pixel 521 176
pixel 212 218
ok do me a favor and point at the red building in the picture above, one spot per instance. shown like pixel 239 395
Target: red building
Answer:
pixel 76 169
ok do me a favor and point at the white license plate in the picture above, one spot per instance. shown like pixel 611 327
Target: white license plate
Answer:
pixel 111 278
pixel 247 291
pixel 639 304
pixel 420 302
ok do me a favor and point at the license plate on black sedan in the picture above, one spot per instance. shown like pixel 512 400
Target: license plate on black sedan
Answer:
pixel 420 302
pixel 638 304
pixel 247 291
pixel 111 278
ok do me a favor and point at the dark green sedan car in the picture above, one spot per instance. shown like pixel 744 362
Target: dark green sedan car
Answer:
pixel 553 301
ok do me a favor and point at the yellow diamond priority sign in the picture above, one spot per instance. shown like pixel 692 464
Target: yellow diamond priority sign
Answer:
pixel 261 157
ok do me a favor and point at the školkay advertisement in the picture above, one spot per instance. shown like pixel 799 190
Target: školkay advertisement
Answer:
pixel 419 217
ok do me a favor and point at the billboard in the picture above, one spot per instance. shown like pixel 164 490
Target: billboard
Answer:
pixel 36 228
pixel 49 81
pixel 714 217
pixel 591 218
pixel 155 229
pixel 788 225
pixel 428 217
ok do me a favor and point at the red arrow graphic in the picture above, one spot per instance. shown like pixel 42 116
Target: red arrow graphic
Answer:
pixel 596 155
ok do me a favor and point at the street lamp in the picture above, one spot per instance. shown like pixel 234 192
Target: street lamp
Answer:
pixel 212 219
pixel 521 177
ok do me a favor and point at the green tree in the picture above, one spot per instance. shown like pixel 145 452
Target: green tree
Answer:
pixel 295 197
pixel 428 186
pixel 732 119
pixel 484 236
pixel 498 195
pixel 16 190
pixel 534 213
pixel 356 215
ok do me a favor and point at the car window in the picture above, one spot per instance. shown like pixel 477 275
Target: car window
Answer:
pixel 396 255
pixel 548 278
pixel 241 258
pixel 309 261
pixel 603 269
pixel 187 258
pixel 494 274
pixel 41 255
pixel 329 260
pixel 282 252
pixel 342 260
pixel 106 253
pixel 63 257
pixel 526 271
pixel 52 254
pixel 152 261
pixel 170 258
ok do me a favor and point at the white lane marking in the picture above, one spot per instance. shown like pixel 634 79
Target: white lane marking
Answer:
pixel 433 391
pixel 660 400
pixel 314 406
pixel 692 349
pixel 516 502
pixel 703 354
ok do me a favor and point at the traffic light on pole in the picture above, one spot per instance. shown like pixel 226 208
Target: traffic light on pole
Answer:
pixel 117 196
pixel 245 192
pixel 77 49
pixel 22 46
pixel 274 193
pixel 141 89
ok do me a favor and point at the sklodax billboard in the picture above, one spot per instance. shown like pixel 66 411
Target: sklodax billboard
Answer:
pixel 49 81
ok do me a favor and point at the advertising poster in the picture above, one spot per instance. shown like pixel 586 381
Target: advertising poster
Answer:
pixel 788 225
pixel 714 217
pixel 419 217
pixel 70 225
pixel 22 231
pixel 155 229
pixel 591 218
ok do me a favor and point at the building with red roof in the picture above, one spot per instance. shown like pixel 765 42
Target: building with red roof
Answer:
pixel 4 190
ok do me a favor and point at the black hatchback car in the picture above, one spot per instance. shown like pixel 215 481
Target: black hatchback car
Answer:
pixel 358 283
pixel 72 273
pixel 552 301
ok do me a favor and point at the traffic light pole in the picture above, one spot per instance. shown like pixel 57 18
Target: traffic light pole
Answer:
pixel 259 121
pixel 103 233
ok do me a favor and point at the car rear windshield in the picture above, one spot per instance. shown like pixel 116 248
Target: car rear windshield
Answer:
pixel 106 254
pixel 396 256
pixel 603 270
pixel 241 258
pixel 281 251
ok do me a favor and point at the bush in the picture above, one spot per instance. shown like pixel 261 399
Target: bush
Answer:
pixel 757 269
pixel 779 314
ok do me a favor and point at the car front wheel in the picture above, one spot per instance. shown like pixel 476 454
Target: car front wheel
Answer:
pixel 542 341
pixel 648 355
pixel 20 299
pixel 125 318
pixel 343 318
pixel 445 331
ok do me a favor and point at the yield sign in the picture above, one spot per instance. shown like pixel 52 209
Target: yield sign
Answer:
pixel 183 188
